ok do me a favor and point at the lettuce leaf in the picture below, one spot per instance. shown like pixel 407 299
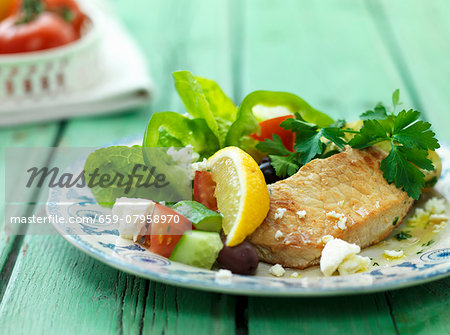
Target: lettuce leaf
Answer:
pixel 203 98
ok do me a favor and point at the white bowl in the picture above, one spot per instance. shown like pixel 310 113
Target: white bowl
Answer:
pixel 44 74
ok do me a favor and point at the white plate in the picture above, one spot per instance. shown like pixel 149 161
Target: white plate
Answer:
pixel 101 241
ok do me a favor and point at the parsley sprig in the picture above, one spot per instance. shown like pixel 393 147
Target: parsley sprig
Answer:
pixel 409 139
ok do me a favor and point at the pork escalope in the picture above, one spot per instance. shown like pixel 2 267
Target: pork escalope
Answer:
pixel 345 196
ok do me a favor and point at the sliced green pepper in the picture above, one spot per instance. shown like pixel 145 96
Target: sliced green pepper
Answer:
pixel 247 124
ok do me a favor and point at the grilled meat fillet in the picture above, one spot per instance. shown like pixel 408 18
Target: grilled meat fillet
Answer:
pixel 345 196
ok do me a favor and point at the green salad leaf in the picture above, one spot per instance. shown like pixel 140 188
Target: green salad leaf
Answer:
pixel 204 99
pixel 170 129
pixel 110 161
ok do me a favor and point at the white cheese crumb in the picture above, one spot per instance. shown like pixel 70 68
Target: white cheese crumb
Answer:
pixel 279 235
pixel 435 205
pixel 438 227
pixel 327 238
pixel 334 253
pixel 394 253
pixel 184 155
pixel 353 264
pixel 200 166
pixel 294 275
pixel 223 274
pixel 437 218
pixel 342 219
pixel 126 207
pixel 301 214
pixel 280 213
pixel 277 270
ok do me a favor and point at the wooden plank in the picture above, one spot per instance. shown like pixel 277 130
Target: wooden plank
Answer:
pixel 75 292
pixel 422 310
pixel 367 314
pixel 328 52
pixel 18 136
pixel 418 36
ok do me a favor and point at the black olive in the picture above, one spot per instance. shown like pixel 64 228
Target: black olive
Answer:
pixel 268 171
pixel 241 259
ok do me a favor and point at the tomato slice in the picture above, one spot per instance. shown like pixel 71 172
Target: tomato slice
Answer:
pixel 272 126
pixel 165 230
pixel 204 187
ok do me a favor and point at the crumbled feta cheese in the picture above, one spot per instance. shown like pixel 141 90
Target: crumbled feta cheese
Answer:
pixel 435 205
pixel 127 207
pixel 278 235
pixel 353 264
pixel 294 275
pixel 280 213
pixel 223 274
pixel 334 253
pixel 184 155
pixel 394 253
pixel 326 238
pixel 438 227
pixel 437 218
pixel 277 270
pixel 200 166
pixel 342 219
pixel 301 214
pixel 434 213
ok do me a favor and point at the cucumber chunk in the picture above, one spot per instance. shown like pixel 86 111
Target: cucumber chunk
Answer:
pixel 201 217
pixel 197 248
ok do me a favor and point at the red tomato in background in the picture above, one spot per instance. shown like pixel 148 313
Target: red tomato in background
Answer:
pixel 204 187
pixel 159 241
pixel 8 8
pixel 60 7
pixel 272 126
pixel 47 31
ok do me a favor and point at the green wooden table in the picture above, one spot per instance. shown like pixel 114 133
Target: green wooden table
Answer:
pixel 342 57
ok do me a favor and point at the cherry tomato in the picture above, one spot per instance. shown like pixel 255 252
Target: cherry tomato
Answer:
pixel 8 8
pixel 69 10
pixel 204 187
pixel 165 230
pixel 272 126
pixel 47 31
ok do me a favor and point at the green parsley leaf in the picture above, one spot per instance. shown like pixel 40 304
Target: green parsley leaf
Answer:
pixel 417 135
pixel 396 168
pixel 371 132
pixel 378 113
pixel 396 98
pixel 430 242
pixel 285 165
pixel 403 235
pixel 273 147
pixel 308 138
pixel 405 118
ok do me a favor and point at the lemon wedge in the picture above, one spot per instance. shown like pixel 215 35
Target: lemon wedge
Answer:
pixel 241 193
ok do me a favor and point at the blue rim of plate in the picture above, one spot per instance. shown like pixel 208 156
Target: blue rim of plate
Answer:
pixel 431 265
